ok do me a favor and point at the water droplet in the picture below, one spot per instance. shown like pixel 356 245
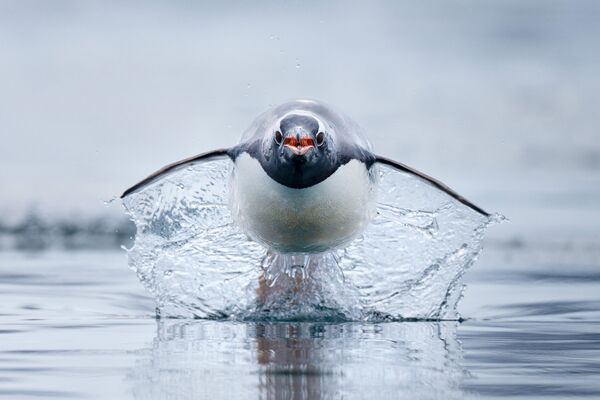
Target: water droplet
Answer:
pixel 297 63
pixel 168 273
pixel 181 186
pixel 498 218
pixel 110 201
pixel 248 86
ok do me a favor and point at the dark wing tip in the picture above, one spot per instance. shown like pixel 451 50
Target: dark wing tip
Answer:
pixel 433 182
pixel 174 167
pixel 130 190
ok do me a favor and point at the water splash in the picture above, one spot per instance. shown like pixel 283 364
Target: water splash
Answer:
pixel 110 201
pixel 196 262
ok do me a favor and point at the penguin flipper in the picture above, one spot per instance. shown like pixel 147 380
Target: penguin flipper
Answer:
pixel 431 181
pixel 210 155
pixel 409 260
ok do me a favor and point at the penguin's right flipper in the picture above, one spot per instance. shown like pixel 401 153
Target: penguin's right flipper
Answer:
pixel 168 169
pixel 409 261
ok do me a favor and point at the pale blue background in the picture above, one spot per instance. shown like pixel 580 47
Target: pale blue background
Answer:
pixel 498 99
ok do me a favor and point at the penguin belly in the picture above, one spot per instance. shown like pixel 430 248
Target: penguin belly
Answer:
pixel 313 219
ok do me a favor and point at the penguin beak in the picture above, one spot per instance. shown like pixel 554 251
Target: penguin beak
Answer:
pixel 299 145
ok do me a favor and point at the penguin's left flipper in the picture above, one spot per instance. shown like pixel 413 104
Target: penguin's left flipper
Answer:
pixel 173 167
pixel 431 181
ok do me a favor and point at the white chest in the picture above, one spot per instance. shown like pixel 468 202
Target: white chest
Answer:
pixel 312 219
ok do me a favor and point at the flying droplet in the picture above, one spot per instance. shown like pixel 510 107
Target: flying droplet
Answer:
pixel 108 202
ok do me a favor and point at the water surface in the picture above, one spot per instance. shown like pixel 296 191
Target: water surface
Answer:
pixel 79 325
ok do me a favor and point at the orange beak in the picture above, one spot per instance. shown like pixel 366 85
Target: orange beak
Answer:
pixel 299 147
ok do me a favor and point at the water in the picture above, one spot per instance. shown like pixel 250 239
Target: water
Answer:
pixel 191 254
pixel 78 324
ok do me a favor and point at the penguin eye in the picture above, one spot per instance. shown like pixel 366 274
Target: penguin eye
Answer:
pixel 278 137
pixel 320 138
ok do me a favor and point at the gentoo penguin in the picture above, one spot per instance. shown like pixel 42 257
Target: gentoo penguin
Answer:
pixel 303 178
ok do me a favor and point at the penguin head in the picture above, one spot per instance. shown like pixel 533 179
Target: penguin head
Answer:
pixel 299 151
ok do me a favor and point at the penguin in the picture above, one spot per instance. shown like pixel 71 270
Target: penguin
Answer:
pixel 303 179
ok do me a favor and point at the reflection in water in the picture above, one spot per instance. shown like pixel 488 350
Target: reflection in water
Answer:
pixel 300 360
